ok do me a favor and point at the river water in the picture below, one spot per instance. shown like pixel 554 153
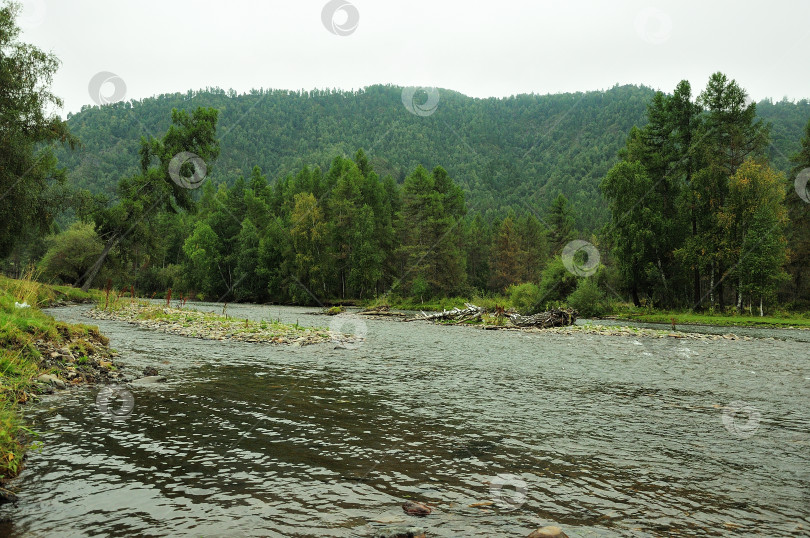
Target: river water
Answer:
pixel 601 435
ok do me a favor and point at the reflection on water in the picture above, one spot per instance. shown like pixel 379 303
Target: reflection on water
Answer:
pixel 597 434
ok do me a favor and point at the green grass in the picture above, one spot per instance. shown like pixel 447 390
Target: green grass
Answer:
pixel 19 357
pixel 208 321
pixel 784 320
pixel 447 303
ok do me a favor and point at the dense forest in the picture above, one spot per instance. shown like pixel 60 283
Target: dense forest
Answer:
pixel 699 219
pixel 505 153
pixel 674 200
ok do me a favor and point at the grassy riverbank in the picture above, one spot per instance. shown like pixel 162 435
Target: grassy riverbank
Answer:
pixel 209 325
pixel 25 332
pixel 799 320
pixel 617 312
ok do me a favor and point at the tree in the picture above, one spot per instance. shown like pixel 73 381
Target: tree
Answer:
pixel 627 187
pixel 248 285
pixel 533 248
pixel 686 126
pixel 799 214
pixel 157 188
pixel 366 258
pixel 310 240
pixel 753 221
pixel 28 168
pixel 505 256
pixel 71 253
pixel 432 208
pixel 478 241
pixel 561 224
pixel 733 133
pixel 203 251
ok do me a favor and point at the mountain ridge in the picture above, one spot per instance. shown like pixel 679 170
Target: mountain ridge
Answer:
pixel 515 152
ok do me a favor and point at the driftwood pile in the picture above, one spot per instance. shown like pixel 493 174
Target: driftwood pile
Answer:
pixel 552 318
pixel 470 313
pixel 543 320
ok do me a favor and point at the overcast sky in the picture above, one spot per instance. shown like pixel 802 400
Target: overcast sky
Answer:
pixel 494 48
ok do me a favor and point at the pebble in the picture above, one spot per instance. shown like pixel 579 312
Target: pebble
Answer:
pixel 400 532
pixel 548 532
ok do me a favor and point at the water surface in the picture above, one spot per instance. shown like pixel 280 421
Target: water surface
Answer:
pixel 604 436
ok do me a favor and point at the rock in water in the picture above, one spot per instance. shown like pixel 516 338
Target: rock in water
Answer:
pixel 401 532
pixel 7 497
pixel 548 532
pixel 149 380
pixel 416 509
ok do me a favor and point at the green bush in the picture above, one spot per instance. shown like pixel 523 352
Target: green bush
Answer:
pixel 556 282
pixel 526 298
pixel 587 299
pixel 421 288
pixel 71 253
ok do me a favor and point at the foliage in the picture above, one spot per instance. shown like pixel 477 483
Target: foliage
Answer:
pixel 556 284
pixel 588 299
pixel 146 197
pixel 71 253
pixel 29 177
pixel 526 298
pixel 20 328
pixel 696 212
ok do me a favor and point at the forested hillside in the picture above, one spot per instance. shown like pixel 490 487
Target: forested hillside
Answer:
pixel 504 152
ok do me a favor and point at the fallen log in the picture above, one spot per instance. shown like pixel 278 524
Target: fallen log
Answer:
pixel 552 318
pixel 457 314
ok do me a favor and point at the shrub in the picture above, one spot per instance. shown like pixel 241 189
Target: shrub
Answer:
pixel 420 288
pixel 587 299
pixel 526 298
pixel 557 282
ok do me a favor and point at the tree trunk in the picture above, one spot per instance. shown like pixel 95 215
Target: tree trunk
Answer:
pixel 761 313
pixel 634 291
pixel 91 274
pixel 663 276
pixel 720 299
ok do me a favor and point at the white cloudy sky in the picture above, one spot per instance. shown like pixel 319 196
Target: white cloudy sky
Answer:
pixel 493 48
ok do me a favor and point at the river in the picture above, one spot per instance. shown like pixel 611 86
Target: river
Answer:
pixel 601 435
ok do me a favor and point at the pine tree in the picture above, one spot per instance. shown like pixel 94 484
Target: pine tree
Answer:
pixel 732 134
pixel 561 224
pixel 506 256
pixel 799 213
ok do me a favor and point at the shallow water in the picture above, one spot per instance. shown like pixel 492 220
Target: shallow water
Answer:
pixel 602 435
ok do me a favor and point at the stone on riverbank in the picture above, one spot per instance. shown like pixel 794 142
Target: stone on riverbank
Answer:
pixel 548 532
pixel 52 380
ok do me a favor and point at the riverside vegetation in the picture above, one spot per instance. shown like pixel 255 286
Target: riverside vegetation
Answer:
pixel 686 208
pixel 37 353
pixel 210 325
